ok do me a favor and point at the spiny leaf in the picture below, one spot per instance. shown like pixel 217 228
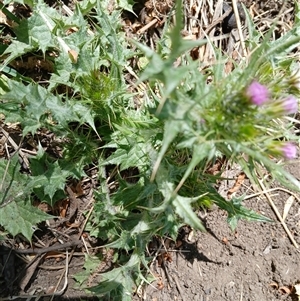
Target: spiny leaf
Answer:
pixel 125 242
pixel 120 282
pixel 11 180
pixel 38 102
pixel 172 128
pixel 116 284
pixel 23 2
pixel 20 217
pixel 84 115
pixel 33 100
pixel 53 177
pixel 128 156
pixel 17 215
pixel 185 211
pixel 15 49
pixel 200 152
pixel 241 212
pixel 234 207
pixel 35 33
pixel 127 5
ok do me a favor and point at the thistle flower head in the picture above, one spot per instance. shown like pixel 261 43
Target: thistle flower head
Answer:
pixel 289 150
pixel 290 105
pixel 257 93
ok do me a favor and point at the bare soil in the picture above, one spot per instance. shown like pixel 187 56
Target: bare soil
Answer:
pixel 255 262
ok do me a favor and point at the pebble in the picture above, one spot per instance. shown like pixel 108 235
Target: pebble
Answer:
pixel 229 22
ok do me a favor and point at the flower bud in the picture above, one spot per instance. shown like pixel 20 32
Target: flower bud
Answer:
pixel 257 93
pixel 290 105
pixel 289 150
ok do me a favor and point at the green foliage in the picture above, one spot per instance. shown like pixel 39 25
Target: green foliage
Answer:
pixel 124 279
pixel 163 145
pixel 17 215
pixel 52 175
pixel 19 218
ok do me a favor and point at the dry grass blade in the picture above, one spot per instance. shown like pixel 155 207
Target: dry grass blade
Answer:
pixel 214 23
pixel 288 232
pixel 66 278
pixel 239 26
pixel 270 190
pixel 65 272
pixel 287 206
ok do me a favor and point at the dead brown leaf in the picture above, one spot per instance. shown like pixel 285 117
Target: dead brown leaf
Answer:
pixel 238 183
pixel 73 55
pixel 285 290
pixel 274 285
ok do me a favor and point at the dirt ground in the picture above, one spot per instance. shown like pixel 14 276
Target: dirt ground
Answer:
pixel 256 262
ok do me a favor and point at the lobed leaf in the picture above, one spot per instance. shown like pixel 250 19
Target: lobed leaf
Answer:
pixel 19 217
pixel 184 209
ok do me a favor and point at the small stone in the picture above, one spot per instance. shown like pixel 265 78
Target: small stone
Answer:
pixel 229 22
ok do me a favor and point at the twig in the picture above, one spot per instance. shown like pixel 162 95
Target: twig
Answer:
pixel 179 287
pixel 71 14
pixel 144 86
pixel 85 246
pixel 72 252
pixel 24 150
pixel 73 203
pixel 49 249
pixel 278 215
pixel 58 267
pixel 147 26
pixel 170 250
pixel 164 267
pixel 30 269
pixel 85 222
pixel 45 295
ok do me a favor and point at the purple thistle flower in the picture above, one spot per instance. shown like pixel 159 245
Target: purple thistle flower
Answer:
pixel 290 104
pixel 289 150
pixel 257 93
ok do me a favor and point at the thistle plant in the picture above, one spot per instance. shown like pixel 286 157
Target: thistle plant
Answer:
pixel 188 117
